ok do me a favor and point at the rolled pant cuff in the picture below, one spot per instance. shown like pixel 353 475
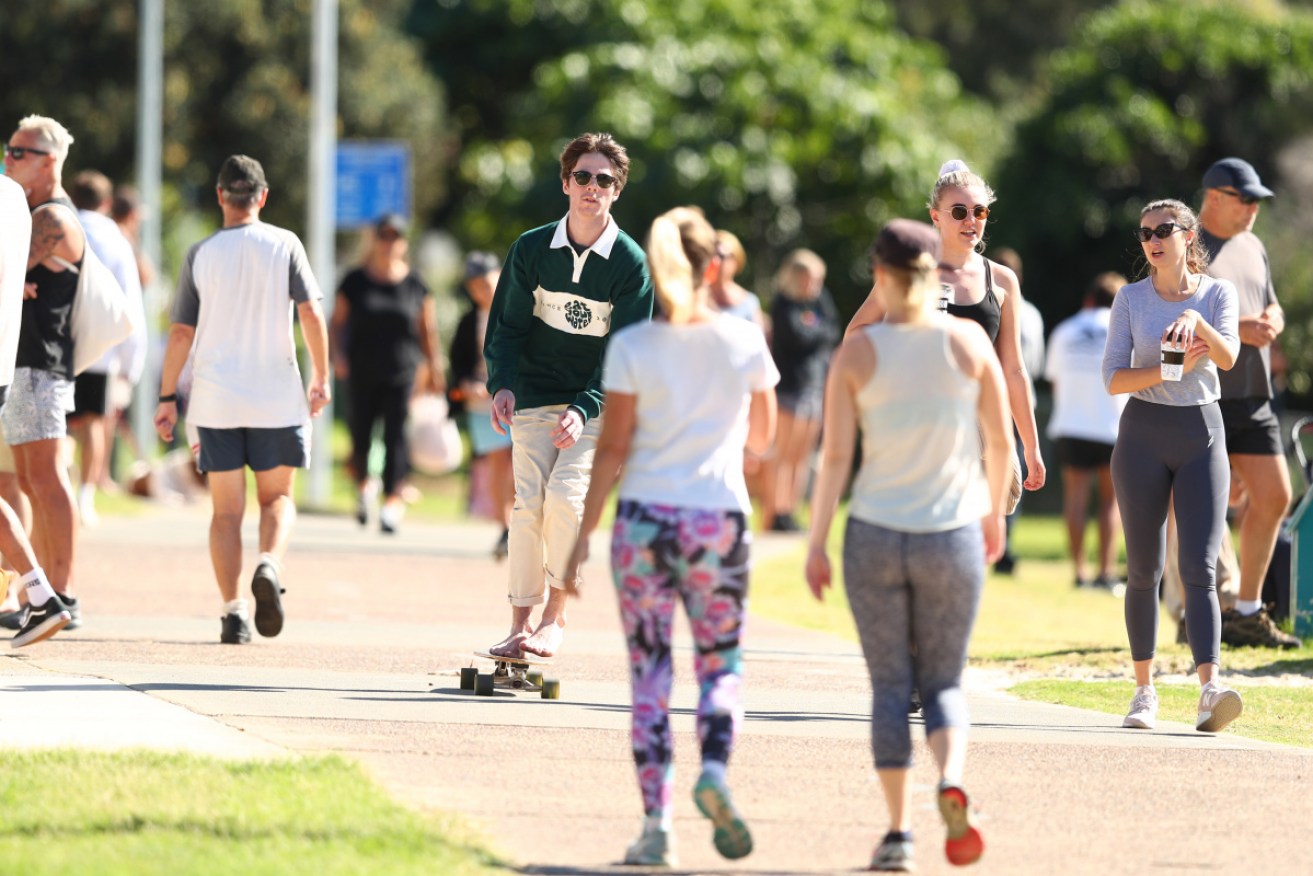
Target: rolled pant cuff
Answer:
pixel 527 601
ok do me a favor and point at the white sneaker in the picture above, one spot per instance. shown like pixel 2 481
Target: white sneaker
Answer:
pixel 1144 709
pixel 654 848
pixel 1218 707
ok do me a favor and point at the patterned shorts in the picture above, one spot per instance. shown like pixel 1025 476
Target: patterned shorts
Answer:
pixel 36 408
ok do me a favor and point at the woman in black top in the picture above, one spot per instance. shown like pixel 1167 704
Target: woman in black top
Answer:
pixel 383 328
pixel 804 331
pixel 978 289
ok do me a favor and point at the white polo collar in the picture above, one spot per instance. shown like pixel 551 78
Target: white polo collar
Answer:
pixel 601 246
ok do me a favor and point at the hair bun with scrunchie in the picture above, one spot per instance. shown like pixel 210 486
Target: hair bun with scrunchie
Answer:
pixel 953 165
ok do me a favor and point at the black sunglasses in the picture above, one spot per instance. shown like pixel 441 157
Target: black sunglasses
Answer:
pixel 583 178
pixel 960 211
pixel 1162 232
pixel 1247 200
pixel 20 152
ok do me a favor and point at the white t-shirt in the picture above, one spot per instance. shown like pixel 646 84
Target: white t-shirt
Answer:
pixel 1082 408
pixel 237 288
pixel 694 385
pixel 15 241
pixel 111 247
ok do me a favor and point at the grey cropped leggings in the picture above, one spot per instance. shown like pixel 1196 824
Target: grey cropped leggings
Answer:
pixel 913 589
pixel 1164 451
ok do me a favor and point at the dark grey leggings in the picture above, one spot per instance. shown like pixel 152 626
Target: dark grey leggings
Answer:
pixel 913 589
pixel 1164 451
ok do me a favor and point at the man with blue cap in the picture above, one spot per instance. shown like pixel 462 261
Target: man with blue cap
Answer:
pixel 1232 194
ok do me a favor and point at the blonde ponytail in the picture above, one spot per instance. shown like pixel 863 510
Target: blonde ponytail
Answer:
pixel 680 245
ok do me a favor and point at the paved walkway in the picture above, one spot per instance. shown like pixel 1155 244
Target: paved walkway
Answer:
pixel 368 666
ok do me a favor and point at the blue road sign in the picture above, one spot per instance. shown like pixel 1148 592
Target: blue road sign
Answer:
pixel 373 178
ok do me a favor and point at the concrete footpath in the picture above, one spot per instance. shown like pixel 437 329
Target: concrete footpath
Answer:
pixel 368 664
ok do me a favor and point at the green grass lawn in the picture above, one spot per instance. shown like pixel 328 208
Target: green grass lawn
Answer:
pixel 1071 641
pixel 142 814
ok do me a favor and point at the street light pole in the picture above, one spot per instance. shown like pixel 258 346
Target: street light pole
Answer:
pixel 150 123
pixel 321 205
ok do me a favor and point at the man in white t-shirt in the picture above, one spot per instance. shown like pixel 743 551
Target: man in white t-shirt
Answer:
pixel 234 302
pixel 1084 425
pixel 94 390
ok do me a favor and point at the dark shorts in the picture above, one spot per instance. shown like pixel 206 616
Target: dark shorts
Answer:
pixel 90 394
pixel 1252 426
pixel 260 449
pixel 1082 454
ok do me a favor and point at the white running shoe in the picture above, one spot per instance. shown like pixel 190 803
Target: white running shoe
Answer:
pixel 1144 709
pixel 653 848
pixel 1218 707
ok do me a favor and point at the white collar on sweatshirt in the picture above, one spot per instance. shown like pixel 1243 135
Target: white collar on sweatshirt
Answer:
pixel 601 246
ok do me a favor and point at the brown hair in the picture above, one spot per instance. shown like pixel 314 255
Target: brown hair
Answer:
pixel 1104 288
pixel 680 245
pixel 1196 256
pixel 601 143
pixel 90 190
pixel 798 262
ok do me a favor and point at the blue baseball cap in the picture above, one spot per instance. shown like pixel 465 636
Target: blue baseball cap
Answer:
pixel 1237 174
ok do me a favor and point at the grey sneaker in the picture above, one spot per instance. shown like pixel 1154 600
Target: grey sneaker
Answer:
pixel 42 622
pixel 653 848
pixel 1257 629
pixel 1144 709
pixel 1218 707
pixel 731 835
pixel 893 855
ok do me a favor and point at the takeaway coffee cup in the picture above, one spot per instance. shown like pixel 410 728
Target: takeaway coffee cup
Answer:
pixel 945 296
pixel 1173 360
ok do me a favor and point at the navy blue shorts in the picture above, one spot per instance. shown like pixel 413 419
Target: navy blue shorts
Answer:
pixel 260 449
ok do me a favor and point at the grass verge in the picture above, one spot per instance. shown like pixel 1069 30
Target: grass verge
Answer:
pixel 1038 626
pixel 142 814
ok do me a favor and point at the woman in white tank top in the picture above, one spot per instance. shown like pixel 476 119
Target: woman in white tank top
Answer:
pixel 925 516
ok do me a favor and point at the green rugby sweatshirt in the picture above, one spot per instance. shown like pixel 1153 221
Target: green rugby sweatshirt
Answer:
pixel 554 310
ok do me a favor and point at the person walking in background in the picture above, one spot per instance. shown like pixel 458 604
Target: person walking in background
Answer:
pixel 1083 427
pixel 1031 324
pixel 95 417
pixel 975 288
pixel 490 468
pixel 1171 445
pixel 44 613
pixel 236 293
pixel 924 518
pixel 1254 445
pixel 41 394
pixel 384 325
pixel 674 441
pixel 727 296
pixel 565 288
pixel 804 330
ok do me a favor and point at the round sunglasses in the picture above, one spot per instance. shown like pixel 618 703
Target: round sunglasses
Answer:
pixel 583 178
pixel 961 211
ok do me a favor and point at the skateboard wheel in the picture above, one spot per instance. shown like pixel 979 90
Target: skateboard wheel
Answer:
pixel 483 685
pixel 535 679
pixel 468 676
pixel 551 689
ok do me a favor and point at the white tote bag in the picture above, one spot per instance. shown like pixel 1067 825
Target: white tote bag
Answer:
pixel 102 317
pixel 435 446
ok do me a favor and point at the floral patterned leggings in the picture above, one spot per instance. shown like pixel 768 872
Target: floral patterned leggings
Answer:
pixel 661 554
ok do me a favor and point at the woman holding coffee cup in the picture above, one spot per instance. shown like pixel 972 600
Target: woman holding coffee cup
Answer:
pixel 1169 333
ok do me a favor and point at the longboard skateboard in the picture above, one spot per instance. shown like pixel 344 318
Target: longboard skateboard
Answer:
pixel 510 672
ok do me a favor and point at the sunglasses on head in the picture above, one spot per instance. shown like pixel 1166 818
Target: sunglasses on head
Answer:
pixel 583 178
pixel 961 211
pixel 1247 200
pixel 18 153
pixel 1162 232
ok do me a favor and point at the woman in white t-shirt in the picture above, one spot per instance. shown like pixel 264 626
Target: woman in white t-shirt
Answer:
pixel 923 518
pixel 684 395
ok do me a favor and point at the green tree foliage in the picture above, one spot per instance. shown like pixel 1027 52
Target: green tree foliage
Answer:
pixel 1145 99
pixel 236 80
pixel 800 123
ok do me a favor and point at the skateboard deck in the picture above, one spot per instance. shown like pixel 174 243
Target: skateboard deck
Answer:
pixel 514 672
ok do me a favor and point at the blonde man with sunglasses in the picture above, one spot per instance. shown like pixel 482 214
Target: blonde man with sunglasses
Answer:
pixel 565 288
pixel 1232 194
